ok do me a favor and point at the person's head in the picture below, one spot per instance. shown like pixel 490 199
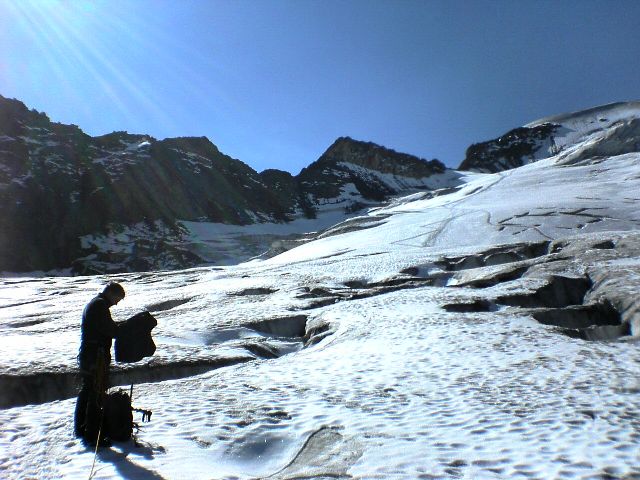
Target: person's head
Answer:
pixel 113 292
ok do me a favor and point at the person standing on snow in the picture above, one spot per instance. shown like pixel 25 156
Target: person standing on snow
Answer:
pixel 98 331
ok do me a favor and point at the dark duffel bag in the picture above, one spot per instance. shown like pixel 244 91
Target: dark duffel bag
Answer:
pixel 133 338
pixel 118 416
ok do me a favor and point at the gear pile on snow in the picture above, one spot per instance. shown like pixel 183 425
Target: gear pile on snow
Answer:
pixel 118 416
pixel 118 421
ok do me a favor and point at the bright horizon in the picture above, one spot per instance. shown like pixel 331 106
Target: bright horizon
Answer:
pixel 275 83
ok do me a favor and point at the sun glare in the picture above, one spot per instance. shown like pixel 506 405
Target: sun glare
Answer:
pixel 86 43
pixel 111 50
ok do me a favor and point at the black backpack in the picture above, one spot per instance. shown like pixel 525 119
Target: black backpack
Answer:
pixel 118 416
pixel 133 338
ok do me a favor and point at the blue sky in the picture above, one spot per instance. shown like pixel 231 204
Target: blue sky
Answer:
pixel 274 83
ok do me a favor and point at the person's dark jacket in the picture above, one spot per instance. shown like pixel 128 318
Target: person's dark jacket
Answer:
pixel 98 330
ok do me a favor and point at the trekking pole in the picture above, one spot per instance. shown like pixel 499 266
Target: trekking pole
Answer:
pixel 131 393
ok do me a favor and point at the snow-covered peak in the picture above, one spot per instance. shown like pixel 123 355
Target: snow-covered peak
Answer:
pixel 578 127
pixel 555 135
pixel 602 116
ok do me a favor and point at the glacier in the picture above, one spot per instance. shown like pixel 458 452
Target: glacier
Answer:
pixel 487 331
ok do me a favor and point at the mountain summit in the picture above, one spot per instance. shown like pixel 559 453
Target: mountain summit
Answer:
pixel 364 169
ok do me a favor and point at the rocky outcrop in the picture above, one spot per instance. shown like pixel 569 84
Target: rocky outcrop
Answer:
pixel 514 149
pixel 58 185
pixel 366 170
pixel 374 157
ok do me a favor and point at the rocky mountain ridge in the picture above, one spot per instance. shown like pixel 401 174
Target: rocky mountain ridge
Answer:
pixel 64 194
pixel 121 202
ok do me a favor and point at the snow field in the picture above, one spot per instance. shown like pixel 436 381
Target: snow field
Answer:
pixel 415 391
pixel 401 388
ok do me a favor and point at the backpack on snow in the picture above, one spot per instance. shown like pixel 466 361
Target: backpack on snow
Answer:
pixel 118 416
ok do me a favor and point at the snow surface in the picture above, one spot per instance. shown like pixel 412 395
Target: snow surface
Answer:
pixel 225 244
pixel 579 127
pixel 398 388
pixel 402 183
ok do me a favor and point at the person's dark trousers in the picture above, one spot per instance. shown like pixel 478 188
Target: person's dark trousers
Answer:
pixel 88 414
pixel 80 415
pixel 89 405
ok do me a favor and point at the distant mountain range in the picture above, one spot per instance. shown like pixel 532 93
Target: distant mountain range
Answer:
pixel 119 202
pixel 78 204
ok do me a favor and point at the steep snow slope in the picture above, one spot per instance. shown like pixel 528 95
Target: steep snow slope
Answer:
pixel 584 122
pixel 541 201
pixel 443 336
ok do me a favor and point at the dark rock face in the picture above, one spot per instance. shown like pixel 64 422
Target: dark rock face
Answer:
pixel 286 189
pixel 375 172
pixel 59 185
pixel 374 157
pixel 514 149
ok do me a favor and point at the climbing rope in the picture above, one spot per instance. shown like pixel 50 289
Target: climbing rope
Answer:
pixel 95 454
